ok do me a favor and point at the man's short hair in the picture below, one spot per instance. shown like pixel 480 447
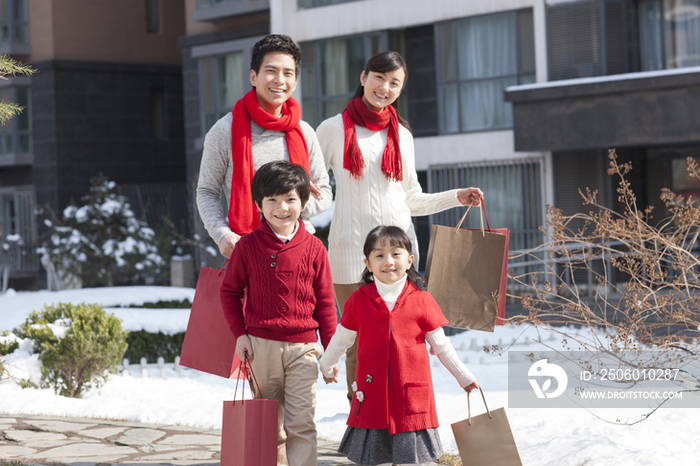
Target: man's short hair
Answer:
pixel 274 43
pixel 275 178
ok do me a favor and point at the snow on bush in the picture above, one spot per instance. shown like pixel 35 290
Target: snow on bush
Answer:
pixel 102 242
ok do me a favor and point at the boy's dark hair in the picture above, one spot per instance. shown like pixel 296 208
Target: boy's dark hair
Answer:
pixel 274 43
pixel 275 178
pixel 397 238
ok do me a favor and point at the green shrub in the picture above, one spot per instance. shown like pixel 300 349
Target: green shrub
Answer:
pixel 172 304
pixel 92 346
pixel 8 344
pixel 153 345
pixel 26 383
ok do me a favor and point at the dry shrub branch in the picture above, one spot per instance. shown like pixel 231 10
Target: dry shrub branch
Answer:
pixel 652 307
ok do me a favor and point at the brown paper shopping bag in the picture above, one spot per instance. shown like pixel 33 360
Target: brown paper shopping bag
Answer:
pixel 486 440
pixel 209 345
pixel 466 274
pixel 249 431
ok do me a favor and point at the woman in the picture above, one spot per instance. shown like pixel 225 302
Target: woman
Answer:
pixel 369 147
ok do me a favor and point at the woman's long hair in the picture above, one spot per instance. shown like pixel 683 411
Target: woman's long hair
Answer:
pixel 386 62
pixel 397 238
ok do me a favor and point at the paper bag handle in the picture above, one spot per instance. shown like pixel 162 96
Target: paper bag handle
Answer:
pixel 250 368
pixel 469 406
pixel 482 211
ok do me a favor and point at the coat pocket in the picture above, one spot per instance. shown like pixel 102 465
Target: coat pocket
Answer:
pixel 417 397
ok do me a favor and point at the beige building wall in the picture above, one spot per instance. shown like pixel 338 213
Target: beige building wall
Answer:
pixel 104 30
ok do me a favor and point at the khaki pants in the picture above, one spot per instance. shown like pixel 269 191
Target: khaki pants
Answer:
pixel 342 293
pixel 287 373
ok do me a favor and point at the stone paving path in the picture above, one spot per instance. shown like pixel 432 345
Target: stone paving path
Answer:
pixel 44 440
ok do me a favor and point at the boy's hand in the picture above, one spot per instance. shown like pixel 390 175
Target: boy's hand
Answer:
pixel 244 347
pixel 333 379
pixel 471 387
pixel 316 192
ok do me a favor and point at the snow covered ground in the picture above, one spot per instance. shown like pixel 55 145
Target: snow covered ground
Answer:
pixel 562 437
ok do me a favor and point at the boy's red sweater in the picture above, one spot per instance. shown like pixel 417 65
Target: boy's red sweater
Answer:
pixel 290 289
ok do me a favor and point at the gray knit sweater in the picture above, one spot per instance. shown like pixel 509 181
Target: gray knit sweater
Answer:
pixel 216 169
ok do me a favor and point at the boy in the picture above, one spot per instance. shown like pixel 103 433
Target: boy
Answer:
pixel 264 126
pixel 289 297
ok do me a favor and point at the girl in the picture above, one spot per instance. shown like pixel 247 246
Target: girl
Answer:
pixel 369 147
pixel 392 416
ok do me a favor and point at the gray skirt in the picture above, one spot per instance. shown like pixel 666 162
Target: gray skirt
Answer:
pixel 376 446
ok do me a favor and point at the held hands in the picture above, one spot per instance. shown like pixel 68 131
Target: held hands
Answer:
pixel 244 347
pixel 227 244
pixel 333 379
pixel 469 196
pixel 471 387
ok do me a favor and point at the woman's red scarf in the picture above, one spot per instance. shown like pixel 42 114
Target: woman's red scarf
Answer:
pixel 357 113
pixel 243 214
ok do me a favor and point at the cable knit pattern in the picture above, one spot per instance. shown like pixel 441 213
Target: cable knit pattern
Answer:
pixel 372 200
pixel 216 169
pixel 290 290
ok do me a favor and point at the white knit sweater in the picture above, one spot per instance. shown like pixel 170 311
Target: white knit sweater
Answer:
pixel 373 200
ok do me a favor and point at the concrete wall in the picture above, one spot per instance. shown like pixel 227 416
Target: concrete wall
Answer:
pixel 111 31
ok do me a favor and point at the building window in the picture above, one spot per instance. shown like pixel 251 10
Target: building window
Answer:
pixel 669 34
pixel 315 3
pixel 478 57
pixel 14 22
pixel 16 134
pixel 18 229
pixel 152 16
pixel 222 82
pixel 330 73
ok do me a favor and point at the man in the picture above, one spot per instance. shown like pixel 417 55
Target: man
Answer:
pixel 264 126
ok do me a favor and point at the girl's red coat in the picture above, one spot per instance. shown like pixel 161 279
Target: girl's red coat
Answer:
pixel 393 367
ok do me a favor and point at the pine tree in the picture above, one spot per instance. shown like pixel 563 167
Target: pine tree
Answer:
pixel 102 242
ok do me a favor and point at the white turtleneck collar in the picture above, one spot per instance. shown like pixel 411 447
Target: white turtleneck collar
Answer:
pixel 390 292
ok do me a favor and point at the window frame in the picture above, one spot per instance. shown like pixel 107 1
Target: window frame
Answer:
pixel 213 51
pixel 320 3
pixel 13 24
pixel 14 85
pixel 318 97
pixel 518 76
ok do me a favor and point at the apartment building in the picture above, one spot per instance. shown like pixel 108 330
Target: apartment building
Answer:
pixel 519 97
pixel 106 98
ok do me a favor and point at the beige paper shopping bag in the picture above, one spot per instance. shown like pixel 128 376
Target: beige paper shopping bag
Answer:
pixel 466 274
pixel 486 439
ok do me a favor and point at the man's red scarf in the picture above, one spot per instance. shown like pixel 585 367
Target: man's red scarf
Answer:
pixel 357 113
pixel 243 214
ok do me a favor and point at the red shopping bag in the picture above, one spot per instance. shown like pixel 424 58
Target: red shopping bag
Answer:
pixel 249 431
pixel 209 345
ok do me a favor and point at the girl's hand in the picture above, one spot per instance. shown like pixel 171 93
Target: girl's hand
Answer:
pixel 316 192
pixel 469 196
pixel 471 387
pixel 333 379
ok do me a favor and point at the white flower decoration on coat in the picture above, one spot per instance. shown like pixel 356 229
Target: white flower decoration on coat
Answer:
pixel 354 386
pixel 360 396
